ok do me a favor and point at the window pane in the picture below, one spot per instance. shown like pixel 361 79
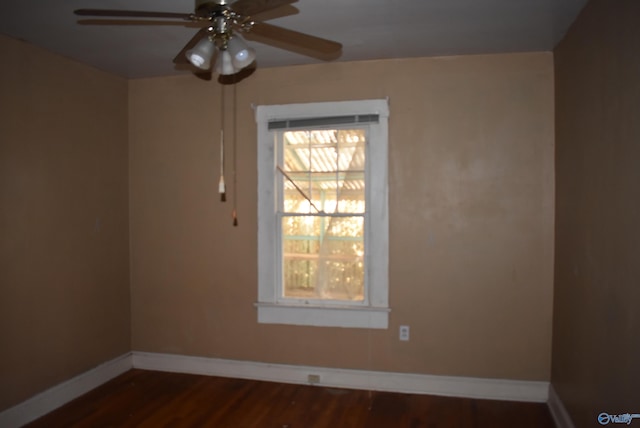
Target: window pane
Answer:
pixel 323 257
pixel 327 166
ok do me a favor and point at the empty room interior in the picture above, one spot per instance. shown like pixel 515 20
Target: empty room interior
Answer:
pixel 513 240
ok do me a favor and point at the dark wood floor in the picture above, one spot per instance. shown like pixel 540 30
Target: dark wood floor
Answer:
pixel 141 398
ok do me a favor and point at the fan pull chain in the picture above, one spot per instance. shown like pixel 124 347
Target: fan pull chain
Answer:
pixel 221 186
pixel 233 149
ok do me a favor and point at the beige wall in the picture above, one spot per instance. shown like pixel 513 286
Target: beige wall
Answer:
pixel 64 286
pixel 471 207
pixel 471 217
pixel 596 335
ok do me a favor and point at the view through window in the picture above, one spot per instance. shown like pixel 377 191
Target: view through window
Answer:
pixel 322 210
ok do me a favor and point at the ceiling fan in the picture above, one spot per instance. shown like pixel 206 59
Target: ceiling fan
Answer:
pixel 222 20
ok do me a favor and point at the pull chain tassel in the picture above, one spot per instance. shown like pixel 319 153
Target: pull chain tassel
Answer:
pixel 221 186
pixel 221 190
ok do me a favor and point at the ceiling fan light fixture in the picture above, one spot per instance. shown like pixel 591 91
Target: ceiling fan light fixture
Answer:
pixel 224 64
pixel 242 55
pixel 201 54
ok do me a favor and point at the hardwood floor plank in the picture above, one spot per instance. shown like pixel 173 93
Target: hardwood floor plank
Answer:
pixel 141 398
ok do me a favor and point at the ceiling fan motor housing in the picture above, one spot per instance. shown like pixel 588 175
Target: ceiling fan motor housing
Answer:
pixel 209 6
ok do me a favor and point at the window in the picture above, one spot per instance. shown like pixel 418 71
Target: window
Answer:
pixel 323 214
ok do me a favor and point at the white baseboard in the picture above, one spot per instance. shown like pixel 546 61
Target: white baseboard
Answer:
pixel 558 411
pixel 43 403
pixel 495 389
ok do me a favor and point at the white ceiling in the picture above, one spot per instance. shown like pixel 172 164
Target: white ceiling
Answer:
pixel 368 29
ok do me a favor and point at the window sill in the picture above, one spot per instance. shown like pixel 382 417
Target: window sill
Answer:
pixel 323 316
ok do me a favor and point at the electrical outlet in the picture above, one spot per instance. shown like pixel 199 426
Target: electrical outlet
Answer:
pixel 404 333
pixel 313 379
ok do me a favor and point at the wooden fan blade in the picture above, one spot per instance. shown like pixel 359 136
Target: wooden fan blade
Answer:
pixel 279 12
pixel 253 7
pixel 294 41
pixel 133 13
pixel 147 22
pixel 181 57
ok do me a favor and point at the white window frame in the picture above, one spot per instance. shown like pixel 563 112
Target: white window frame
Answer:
pixel 374 312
